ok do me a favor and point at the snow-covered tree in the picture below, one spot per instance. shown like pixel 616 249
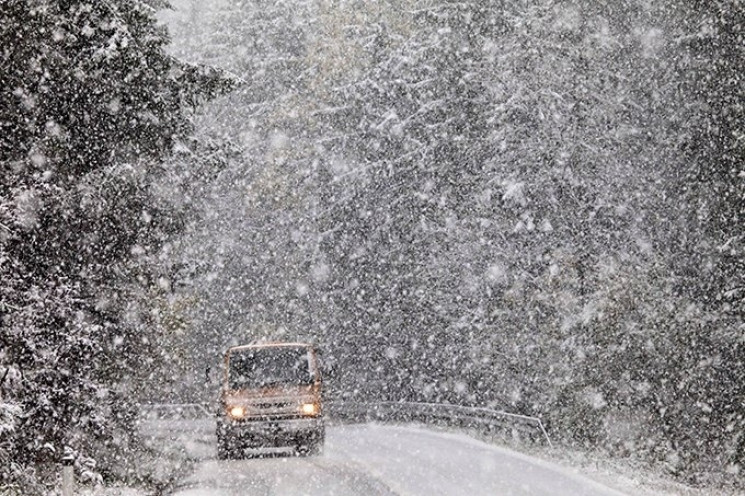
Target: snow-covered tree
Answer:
pixel 89 101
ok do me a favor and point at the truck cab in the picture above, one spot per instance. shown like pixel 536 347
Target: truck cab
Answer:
pixel 270 398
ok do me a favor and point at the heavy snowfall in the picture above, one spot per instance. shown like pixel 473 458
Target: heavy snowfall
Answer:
pixel 523 209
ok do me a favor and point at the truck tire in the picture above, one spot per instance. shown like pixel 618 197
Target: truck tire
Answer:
pixel 313 445
pixel 224 448
pixel 316 448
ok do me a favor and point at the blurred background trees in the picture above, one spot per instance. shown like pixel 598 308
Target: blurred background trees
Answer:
pixel 530 205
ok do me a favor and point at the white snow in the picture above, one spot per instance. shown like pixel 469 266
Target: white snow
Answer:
pixel 377 459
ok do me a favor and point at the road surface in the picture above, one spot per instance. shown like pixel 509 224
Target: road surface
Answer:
pixel 391 460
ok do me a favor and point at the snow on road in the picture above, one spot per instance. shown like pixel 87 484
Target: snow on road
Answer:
pixel 388 460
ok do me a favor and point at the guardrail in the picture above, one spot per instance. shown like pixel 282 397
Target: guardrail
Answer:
pixel 457 415
pixel 173 411
pixel 386 411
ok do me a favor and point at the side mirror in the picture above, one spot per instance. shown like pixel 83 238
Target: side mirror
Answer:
pixel 211 377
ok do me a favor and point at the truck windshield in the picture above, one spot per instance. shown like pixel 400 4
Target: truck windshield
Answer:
pixel 269 366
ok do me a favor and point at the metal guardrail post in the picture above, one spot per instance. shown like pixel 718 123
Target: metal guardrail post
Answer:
pixel 68 477
pixel 543 429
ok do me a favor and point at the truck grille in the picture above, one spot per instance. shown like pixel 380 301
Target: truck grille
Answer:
pixel 273 410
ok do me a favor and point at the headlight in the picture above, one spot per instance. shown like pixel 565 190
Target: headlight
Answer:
pixel 237 412
pixel 309 409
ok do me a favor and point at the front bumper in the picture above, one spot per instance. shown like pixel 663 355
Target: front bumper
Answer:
pixel 272 433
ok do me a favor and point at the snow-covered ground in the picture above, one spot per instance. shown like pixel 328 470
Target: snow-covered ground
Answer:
pixel 401 460
pixel 372 459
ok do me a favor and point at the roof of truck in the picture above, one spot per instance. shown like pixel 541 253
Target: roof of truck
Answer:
pixel 269 345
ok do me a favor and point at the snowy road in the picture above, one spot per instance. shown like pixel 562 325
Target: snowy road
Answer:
pixel 383 460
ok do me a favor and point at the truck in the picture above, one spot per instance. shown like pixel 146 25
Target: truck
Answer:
pixel 270 398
